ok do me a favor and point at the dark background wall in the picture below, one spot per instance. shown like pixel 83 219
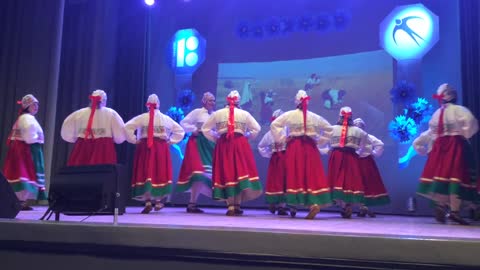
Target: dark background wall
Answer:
pixel 64 49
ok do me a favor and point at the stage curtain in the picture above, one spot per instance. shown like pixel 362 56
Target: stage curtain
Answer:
pixel 470 53
pixel 102 48
pixel 29 35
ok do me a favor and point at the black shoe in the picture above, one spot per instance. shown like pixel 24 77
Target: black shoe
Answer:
pixel 440 214
pixel 346 212
pixel 454 216
pixel 293 212
pixel 362 212
pixel 238 211
pixel 272 208
pixel 148 208
pixel 193 209
pixel 282 211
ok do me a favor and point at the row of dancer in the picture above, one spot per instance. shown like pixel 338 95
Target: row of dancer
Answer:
pixel 232 168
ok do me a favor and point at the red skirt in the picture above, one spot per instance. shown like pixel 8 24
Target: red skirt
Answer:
pixel 446 161
pixel 234 170
pixel 375 191
pixel 19 165
pixel 345 176
pixel 305 178
pixel 93 152
pixel 152 170
pixel 276 181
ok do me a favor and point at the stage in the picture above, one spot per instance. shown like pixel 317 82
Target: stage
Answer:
pixel 257 240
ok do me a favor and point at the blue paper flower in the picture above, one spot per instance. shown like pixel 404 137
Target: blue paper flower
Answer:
pixel 402 129
pixel 287 25
pixel 420 111
pixel 257 31
pixel 176 114
pixel 185 99
pixel 341 19
pixel 324 21
pixel 305 23
pixel 272 27
pixel 243 30
pixel 403 92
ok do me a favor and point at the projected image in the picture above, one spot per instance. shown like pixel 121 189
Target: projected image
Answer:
pixel 361 81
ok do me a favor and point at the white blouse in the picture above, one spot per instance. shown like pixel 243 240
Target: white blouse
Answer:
pixel 267 146
pixel 27 129
pixel 373 147
pixel 356 139
pixel 106 124
pixel 423 143
pixel 290 124
pixel 457 120
pixel 217 124
pixel 164 128
pixel 195 119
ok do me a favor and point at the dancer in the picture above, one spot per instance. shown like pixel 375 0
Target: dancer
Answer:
pixel 275 189
pixel 235 176
pixel 445 179
pixel 344 169
pixel 196 171
pixel 94 130
pixel 24 166
pixel 375 191
pixel 306 183
pixel 152 132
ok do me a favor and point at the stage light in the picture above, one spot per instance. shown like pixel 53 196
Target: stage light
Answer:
pixel 188 51
pixel 149 2
pixel 409 32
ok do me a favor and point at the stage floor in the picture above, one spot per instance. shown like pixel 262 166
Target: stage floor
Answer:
pixel 396 240
pixel 262 220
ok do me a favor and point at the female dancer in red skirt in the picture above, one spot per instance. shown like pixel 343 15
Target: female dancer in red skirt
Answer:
pixel 275 189
pixel 234 173
pixel 196 171
pixel 375 191
pixel 152 132
pixel 445 179
pixel 94 130
pixel 24 167
pixel 344 170
pixel 306 183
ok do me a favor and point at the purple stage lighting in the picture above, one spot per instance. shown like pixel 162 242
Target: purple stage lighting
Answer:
pixel 149 2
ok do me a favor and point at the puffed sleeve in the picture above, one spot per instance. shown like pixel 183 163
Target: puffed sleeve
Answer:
pixel 130 128
pixel 468 121
pixel 377 146
pixel 264 145
pixel 176 131
pixel 28 129
pixel 277 128
pixel 189 123
pixel 252 126
pixel 326 130
pixel 364 145
pixel 208 128
pixel 118 128
pixel 423 143
pixel 69 128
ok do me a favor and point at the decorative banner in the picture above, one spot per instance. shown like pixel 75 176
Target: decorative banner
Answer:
pixel 409 32
pixel 188 51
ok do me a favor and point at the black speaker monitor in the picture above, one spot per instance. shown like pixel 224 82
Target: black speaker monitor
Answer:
pixel 89 190
pixel 9 203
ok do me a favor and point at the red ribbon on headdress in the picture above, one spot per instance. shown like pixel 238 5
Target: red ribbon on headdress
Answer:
pixel 9 138
pixel 303 101
pixel 151 114
pixel 95 101
pixel 231 116
pixel 439 98
pixel 343 136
